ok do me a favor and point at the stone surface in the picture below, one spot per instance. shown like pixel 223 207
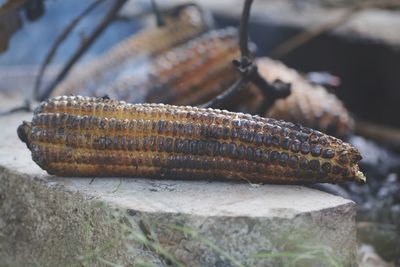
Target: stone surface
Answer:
pixel 53 221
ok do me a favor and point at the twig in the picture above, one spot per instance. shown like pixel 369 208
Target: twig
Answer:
pixel 84 46
pixel 243 28
pixel 159 19
pixel 217 101
pixel 249 72
pixel 58 42
pixel 309 34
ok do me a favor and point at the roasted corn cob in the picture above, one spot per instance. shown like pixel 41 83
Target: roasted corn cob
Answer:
pixel 81 136
pixel 147 43
pixel 189 74
pixel 193 73
pixel 310 105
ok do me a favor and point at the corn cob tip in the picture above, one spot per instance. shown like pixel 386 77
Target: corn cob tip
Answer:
pixel 360 177
pixel 23 131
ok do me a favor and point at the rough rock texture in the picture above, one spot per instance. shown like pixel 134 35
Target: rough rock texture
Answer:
pixel 52 221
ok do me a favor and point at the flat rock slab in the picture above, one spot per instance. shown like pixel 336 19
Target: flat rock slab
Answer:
pixel 52 221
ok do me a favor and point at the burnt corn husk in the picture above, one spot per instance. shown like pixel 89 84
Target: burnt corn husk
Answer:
pixel 83 136
pixel 130 53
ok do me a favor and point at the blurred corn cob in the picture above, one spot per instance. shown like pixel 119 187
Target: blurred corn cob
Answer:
pixel 80 136
pixel 193 73
pixel 149 42
pixel 189 74
pixel 192 82
pixel 310 105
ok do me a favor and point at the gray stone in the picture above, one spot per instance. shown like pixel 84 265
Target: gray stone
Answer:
pixel 52 221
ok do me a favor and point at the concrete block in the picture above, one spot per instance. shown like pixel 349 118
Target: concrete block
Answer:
pixel 52 221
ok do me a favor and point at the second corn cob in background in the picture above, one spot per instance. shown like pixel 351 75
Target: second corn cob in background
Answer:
pixel 130 53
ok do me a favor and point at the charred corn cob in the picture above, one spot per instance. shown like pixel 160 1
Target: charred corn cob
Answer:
pixel 309 105
pixel 191 74
pixel 147 43
pixel 81 136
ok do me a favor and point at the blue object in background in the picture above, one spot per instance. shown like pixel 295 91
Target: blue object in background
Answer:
pixel 31 43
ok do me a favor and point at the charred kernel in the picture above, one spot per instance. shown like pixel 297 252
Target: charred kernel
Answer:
pixel 315 150
pixel 152 143
pixel 328 153
pixel 236 122
pixel 326 167
pixel 130 144
pixel 223 149
pixel 108 143
pixel 283 159
pixel 257 154
pixel 295 146
pixel 336 169
pixel 265 156
pixel 178 145
pixel 285 143
pixel 284 131
pixel 160 144
pixel 168 144
pixel 116 143
pixel 274 156
pixel 305 148
pixel 194 148
pixel 240 151
pixel 185 146
pixel 275 140
pixel 303 163
pixel 343 159
pixel 123 142
pixel 258 139
pixel 302 137
pixel 210 148
pixel 250 136
pixel 175 128
pixel 288 173
pixel 145 143
pixel 249 153
pixel 345 172
pixel 160 126
pixel 314 165
pixel 267 139
pixel 314 139
pixel 243 134
pixel 232 150
pixel 202 147
pixel 293 161
pixel 225 132
pixel 234 133
pixel 309 174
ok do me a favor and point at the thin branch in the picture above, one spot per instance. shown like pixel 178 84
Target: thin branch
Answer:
pixel 217 101
pixel 249 72
pixel 58 42
pixel 243 29
pixel 84 46
pixel 159 19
